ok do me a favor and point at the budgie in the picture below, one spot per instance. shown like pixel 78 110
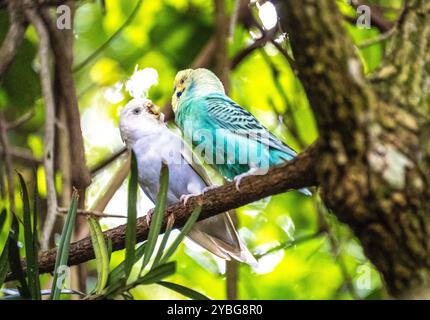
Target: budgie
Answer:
pixel 143 130
pixel 228 136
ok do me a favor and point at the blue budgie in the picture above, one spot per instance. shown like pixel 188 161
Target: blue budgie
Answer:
pixel 227 136
pixel 144 131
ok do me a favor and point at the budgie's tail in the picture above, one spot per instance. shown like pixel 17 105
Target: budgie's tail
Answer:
pixel 306 192
pixel 219 236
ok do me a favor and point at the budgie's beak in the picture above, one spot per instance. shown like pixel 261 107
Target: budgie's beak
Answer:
pixel 155 110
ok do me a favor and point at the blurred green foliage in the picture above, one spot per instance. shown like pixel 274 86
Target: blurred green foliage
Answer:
pixel 297 261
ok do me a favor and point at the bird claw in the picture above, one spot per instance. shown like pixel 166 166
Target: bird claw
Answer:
pixel 185 197
pixel 251 172
pixel 208 188
pixel 238 179
pixel 148 218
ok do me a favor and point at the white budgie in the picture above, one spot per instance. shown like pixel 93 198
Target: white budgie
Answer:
pixel 144 131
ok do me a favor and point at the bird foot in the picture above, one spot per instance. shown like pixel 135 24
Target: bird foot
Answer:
pixel 185 197
pixel 208 188
pixel 251 172
pixel 148 218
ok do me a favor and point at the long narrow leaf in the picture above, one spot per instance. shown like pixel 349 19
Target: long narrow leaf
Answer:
pixel 130 236
pixel 63 248
pixel 190 293
pixel 35 238
pixel 118 273
pixel 101 254
pixel 3 216
pixel 4 264
pixel 158 273
pixel 15 259
pixel 30 254
pixel 158 215
pixel 187 227
pixel 162 244
pixel 35 211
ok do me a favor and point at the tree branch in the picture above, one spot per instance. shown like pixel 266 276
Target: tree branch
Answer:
pixel 403 83
pixel 14 36
pixel 49 138
pixel 62 46
pixel 8 162
pixel 295 174
pixel 106 162
pixel 23 156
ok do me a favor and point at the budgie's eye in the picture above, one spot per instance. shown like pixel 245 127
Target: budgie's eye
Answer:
pixel 137 111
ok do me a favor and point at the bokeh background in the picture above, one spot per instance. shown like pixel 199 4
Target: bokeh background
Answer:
pixel 303 251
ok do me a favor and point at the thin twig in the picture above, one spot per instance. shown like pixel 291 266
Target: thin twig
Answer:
pixel 22 155
pixel 92 213
pixel 14 36
pixel 8 162
pixel 113 186
pixel 285 53
pixel 106 162
pixel 380 38
pixel 49 139
pixel 290 243
pixel 21 120
pixel 62 47
pixel 376 17
pixel 92 56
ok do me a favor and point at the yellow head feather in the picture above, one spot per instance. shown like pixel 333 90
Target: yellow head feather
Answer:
pixel 204 80
pixel 182 80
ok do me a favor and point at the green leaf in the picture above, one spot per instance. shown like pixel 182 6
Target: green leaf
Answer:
pixel 30 246
pixel 162 245
pixel 3 216
pixel 35 211
pixel 118 273
pixel 187 227
pixel 4 264
pixel 63 247
pixel 130 235
pixel 158 215
pixel 101 253
pixel 15 260
pixel 190 293
pixel 157 274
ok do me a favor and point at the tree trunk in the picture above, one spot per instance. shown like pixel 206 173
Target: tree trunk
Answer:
pixel 374 158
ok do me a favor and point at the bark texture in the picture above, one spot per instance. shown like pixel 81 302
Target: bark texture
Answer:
pixel 374 132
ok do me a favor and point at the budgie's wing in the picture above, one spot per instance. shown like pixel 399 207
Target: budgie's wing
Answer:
pixel 146 192
pixel 216 234
pixel 228 115
pixel 195 164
